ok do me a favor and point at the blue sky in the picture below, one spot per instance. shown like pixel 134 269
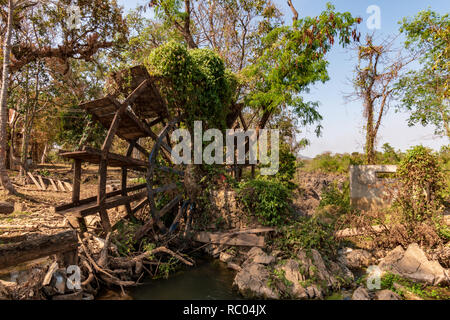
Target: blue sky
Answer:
pixel 343 121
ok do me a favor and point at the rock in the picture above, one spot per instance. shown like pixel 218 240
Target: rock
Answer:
pixel 293 275
pixel 356 258
pixel 234 266
pixel 361 294
pixel 414 265
pixel 6 208
pixel 225 257
pixel 314 292
pixel 59 281
pixel 315 268
pixel 252 282
pixel 387 295
pixel 257 255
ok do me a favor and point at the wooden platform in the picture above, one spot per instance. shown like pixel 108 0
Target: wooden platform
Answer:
pixel 149 103
pixel 93 156
pixel 130 128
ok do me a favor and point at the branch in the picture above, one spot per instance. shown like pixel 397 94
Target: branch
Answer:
pixel 294 11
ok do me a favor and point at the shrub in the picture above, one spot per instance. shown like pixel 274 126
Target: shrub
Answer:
pixel 308 233
pixel 266 199
pixel 422 185
pixel 194 82
pixel 339 199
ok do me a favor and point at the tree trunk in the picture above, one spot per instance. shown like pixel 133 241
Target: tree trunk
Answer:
pixel 370 135
pixel 3 102
pixel 25 146
pixel 44 154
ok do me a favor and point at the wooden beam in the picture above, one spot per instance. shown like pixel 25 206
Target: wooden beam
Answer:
pixel 76 181
pixel 76 191
pixel 135 94
pixel 149 224
pixel 92 199
pixel 112 204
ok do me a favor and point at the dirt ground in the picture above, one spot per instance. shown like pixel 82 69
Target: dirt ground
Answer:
pixel 34 208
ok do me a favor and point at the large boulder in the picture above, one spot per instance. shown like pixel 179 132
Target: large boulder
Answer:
pixel 414 265
pixel 356 258
pixel 257 255
pixel 252 282
pixel 361 294
pixel 387 295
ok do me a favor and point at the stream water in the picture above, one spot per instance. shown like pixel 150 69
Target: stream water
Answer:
pixel 208 280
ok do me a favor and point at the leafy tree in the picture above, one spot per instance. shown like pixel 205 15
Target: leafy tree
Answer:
pixel 39 31
pixel 425 92
pixel 291 59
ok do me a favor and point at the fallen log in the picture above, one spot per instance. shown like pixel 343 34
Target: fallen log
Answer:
pixel 6 208
pixel 17 253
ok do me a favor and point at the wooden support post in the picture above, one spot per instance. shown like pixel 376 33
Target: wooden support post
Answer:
pixel 76 191
pixel 124 182
pixel 102 196
pixel 103 167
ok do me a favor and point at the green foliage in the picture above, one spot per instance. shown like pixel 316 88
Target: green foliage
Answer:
pixel 292 58
pixel 339 163
pixel 308 233
pixel 422 185
pixel 266 199
pixel 288 167
pixel 339 199
pixel 194 83
pixel 389 279
pixel 425 92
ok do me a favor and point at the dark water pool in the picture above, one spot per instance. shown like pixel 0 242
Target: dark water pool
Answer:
pixel 208 280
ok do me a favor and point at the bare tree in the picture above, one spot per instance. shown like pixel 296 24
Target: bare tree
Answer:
pixel 374 83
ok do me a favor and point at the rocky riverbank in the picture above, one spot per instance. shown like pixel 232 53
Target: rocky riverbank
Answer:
pixel 310 275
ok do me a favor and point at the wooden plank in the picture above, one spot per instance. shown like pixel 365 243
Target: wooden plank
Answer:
pixel 17 253
pixel 54 187
pixel 94 156
pixel 60 186
pixel 68 186
pixel 41 182
pixel 231 239
pixel 34 181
